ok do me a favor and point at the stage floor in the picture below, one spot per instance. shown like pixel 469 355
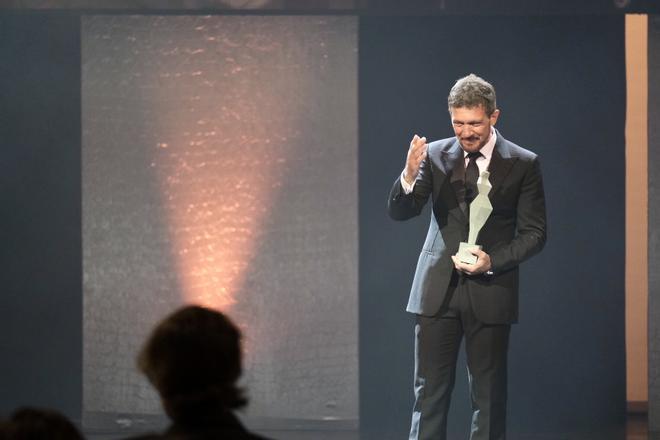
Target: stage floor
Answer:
pixel 635 429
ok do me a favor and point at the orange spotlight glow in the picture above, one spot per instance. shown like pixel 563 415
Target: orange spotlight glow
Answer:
pixel 215 212
pixel 225 137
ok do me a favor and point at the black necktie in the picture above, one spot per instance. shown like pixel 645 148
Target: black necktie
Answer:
pixel 471 177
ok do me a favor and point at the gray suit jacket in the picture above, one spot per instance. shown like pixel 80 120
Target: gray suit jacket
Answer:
pixel 515 230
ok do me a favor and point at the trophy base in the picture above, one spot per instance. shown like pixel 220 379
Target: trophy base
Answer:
pixel 464 255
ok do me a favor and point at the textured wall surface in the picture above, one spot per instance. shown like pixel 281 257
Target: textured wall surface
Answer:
pixel 654 223
pixel 220 167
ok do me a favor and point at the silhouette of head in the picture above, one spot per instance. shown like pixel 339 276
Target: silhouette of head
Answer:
pixel 36 424
pixel 193 359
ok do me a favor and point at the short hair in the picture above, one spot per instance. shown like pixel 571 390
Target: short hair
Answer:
pixel 472 91
pixel 193 359
pixel 39 423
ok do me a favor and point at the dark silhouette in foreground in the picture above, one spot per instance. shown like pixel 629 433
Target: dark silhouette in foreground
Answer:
pixel 193 359
pixel 36 424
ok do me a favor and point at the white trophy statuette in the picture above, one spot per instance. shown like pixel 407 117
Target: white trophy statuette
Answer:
pixel 480 210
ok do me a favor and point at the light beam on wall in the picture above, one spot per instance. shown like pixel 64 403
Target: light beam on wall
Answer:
pixel 220 168
pixel 216 208
pixel 227 127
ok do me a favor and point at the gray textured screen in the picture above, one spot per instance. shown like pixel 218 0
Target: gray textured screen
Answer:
pixel 219 167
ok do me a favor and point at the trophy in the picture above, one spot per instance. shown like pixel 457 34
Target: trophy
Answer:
pixel 480 210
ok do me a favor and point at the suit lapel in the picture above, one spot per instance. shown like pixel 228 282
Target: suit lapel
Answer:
pixel 454 166
pixel 500 164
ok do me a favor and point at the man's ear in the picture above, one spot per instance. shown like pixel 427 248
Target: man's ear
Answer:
pixel 494 116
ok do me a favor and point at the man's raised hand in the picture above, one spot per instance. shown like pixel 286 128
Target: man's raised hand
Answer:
pixel 416 154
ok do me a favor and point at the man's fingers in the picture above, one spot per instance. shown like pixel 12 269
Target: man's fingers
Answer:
pixel 414 141
pixel 417 142
pixel 420 144
pixel 416 154
pixel 468 269
pixel 419 151
pixel 457 263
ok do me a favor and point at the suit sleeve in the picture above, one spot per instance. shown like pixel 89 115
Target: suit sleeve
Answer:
pixel 530 223
pixel 402 206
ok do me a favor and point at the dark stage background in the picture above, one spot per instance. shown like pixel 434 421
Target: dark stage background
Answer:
pixel 561 88
pixel 40 255
pixel 654 222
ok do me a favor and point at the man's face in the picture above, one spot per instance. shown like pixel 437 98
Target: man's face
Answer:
pixel 472 126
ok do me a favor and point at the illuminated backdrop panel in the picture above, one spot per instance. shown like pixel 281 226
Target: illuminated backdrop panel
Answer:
pixel 220 167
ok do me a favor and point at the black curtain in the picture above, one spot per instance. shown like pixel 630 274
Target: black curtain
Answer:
pixel 40 255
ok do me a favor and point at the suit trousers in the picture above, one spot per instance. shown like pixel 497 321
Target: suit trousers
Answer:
pixel 437 342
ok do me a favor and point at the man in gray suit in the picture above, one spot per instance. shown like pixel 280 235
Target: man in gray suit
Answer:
pixel 451 299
